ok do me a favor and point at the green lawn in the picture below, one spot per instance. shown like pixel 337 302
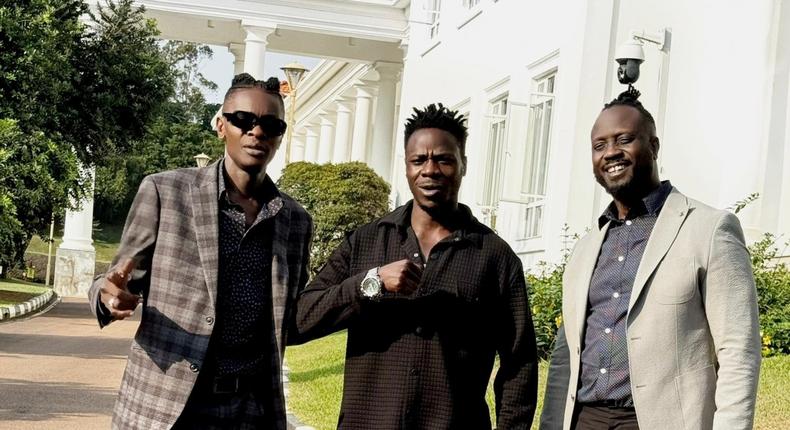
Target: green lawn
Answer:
pixel 105 240
pixel 13 291
pixel 316 385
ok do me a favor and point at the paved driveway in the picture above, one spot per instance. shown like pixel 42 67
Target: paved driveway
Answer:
pixel 59 371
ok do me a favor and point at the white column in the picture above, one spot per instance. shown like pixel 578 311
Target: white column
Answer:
pixel 381 150
pixel 359 140
pixel 342 132
pixel 75 259
pixel 297 148
pixel 237 49
pixel 255 47
pixel 327 134
pixel 311 144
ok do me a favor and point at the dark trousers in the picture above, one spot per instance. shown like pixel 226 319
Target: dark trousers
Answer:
pixel 207 409
pixel 596 417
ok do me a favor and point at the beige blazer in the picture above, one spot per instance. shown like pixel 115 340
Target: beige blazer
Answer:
pixel 692 328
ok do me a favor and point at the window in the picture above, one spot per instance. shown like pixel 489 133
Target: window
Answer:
pixel 533 183
pixel 496 149
pixel 433 6
pixel 470 4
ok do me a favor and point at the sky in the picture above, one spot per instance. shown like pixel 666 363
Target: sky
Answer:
pixel 220 69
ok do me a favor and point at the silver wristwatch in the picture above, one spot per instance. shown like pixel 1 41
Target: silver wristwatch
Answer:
pixel 370 287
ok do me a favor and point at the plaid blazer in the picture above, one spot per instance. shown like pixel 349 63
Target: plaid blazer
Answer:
pixel 172 231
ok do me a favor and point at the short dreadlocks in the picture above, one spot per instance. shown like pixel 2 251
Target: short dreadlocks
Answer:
pixel 630 97
pixel 245 80
pixel 438 116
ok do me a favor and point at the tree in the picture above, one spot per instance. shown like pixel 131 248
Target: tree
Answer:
pixel 180 131
pixel 69 90
pixel 36 174
pixel 340 197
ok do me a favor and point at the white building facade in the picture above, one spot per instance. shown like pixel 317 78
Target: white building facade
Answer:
pixel 531 77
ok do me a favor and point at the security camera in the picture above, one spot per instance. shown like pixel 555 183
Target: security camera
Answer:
pixel 629 56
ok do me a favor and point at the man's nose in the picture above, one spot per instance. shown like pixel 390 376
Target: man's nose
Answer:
pixel 431 168
pixel 612 150
pixel 258 132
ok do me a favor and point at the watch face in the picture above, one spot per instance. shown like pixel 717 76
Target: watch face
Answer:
pixel 370 287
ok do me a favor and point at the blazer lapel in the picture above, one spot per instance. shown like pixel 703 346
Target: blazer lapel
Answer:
pixel 205 210
pixel 671 218
pixel 588 259
pixel 280 275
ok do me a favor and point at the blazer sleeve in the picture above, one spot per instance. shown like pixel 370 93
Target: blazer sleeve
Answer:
pixel 137 242
pixel 553 414
pixel 730 299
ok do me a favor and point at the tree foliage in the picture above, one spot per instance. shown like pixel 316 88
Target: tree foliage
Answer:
pixel 340 197
pixel 180 131
pixel 37 174
pixel 69 90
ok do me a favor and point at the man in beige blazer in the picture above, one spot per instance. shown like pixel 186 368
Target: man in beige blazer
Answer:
pixel 659 304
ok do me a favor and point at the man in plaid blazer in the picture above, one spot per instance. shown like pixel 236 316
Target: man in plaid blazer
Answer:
pixel 216 255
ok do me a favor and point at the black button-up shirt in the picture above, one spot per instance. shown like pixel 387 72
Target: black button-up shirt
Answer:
pixel 243 340
pixel 604 357
pixel 423 361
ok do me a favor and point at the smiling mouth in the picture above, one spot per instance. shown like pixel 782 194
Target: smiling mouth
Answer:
pixel 615 169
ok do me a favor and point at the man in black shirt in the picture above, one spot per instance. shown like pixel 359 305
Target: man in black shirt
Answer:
pixel 429 296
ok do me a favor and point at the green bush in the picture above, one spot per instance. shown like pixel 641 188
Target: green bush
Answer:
pixel 545 297
pixel 773 290
pixel 340 197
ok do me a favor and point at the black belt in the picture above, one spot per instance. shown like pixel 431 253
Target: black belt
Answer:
pixel 611 404
pixel 230 384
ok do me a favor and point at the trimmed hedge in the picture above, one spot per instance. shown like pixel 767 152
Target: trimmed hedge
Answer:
pixel 340 197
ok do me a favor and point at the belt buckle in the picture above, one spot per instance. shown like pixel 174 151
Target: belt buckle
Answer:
pixel 220 385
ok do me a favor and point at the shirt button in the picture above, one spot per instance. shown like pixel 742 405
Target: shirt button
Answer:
pixel 607 330
pixel 418 330
pixel 416 255
pixel 620 258
pixel 616 294
pixel 210 320
pixel 603 371
pixel 412 371
pixel 628 222
pixel 194 368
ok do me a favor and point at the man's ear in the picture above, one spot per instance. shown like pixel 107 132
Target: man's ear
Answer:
pixel 463 165
pixel 220 127
pixel 654 146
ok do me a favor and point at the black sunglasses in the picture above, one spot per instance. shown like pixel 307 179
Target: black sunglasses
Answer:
pixel 246 121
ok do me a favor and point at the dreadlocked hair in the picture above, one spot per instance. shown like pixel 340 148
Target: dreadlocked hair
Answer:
pixel 438 116
pixel 245 80
pixel 630 97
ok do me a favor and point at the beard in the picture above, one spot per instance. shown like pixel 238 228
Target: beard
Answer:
pixel 630 189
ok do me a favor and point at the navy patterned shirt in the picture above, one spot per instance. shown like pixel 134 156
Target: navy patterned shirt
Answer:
pixel 243 339
pixel 604 367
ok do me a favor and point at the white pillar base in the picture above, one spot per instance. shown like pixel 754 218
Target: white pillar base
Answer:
pixel 74 271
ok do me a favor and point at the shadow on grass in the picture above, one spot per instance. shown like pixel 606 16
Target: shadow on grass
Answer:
pixel 321 372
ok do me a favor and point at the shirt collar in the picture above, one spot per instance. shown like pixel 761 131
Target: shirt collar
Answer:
pixel 271 199
pixel 470 230
pixel 651 205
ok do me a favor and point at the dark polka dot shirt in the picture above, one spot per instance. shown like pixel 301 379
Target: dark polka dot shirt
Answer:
pixel 243 338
